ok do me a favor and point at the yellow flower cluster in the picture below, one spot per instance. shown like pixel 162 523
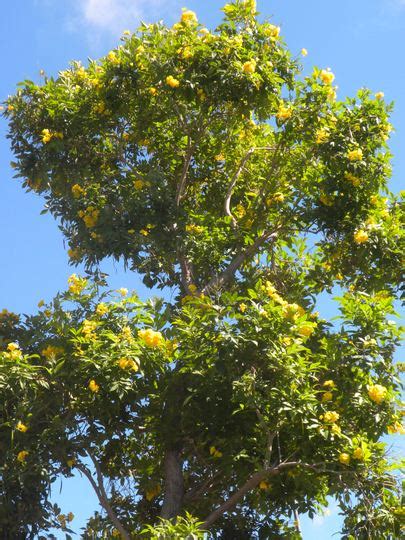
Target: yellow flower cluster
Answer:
pixel 93 386
pixel 344 458
pixel 396 427
pixel 322 136
pixel 150 337
pixel 172 81
pixel 292 311
pixel 360 236
pixel 128 363
pixel 306 330
pixel 377 393
pixel 284 113
pixel 13 351
pixel 88 328
pixel 77 191
pixel 327 396
pixel 329 384
pixel 355 181
pixel 90 216
pixel 355 155
pixel 76 284
pixel 214 452
pixel 113 58
pixel 272 31
pixel 101 309
pixel 189 17
pixel 326 76
pixel 358 453
pixel 52 351
pixel 249 66
pixel 47 135
pixel 330 417
pixel 194 229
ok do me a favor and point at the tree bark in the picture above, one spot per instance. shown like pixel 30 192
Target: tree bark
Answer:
pixel 174 485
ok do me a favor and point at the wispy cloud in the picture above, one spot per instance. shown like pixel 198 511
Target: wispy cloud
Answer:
pixel 114 16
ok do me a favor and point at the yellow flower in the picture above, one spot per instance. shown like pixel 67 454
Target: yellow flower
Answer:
pixel 22 456
pixel 13 347
pixel 74 254
pixel 123 291
pixel 153 492
pixel 172 82
pixel 196 229
pixel 90 216
pixel 242 308
pixel 379 95
pixel 353 179
pixel 326 76
pixel 335 429
pixel 150 337
pixel 272 31
pixel 284 113
pixel 344 458
pixel 322 136
pixel 397 427
pixel 112 58
pixel 76 284
pixel 139 184
pixel 329 384
pixel 249 67
pixel 330 417
pixel 71 462
pixel 264 485
pixel 304 52
pixel 46 136
pixel 21 427
pixel 185 53
pixel 101 309
pixel 360 236
pixel 358 453
pixel 152 91
pixel 327 396
pixel 189 17
pixel 144 232
pixel 128 363
pixel 51 351
pixel 306 330
pixel 377 393
pixel 215 453
pixel 290 311
pixel 93 386
pixel 70 516
pixel 355 155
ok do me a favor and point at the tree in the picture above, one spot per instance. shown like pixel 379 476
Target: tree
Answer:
pixel 205 161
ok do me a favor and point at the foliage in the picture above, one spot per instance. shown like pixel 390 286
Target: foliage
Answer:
pixel 211 167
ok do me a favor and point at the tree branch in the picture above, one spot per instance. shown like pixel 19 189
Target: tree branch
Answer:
pixel 221 278
pixel 102 495
pixel 227 205
pixel 182 183
pixel 250 484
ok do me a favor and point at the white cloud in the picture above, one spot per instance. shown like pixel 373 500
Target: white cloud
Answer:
pixel 117 15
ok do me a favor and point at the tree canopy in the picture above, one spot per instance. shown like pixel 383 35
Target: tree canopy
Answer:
pixel 217 171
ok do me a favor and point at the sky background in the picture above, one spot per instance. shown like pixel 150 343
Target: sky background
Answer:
pixel 363 41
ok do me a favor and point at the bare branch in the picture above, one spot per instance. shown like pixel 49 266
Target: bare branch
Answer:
pixel 250 484
pixel 102 495
pixel 227 205
pixel 221 278
pixel 183 179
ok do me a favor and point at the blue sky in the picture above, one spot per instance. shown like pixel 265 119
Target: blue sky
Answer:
pixel 363 41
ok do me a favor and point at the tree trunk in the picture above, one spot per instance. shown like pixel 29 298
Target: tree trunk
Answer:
pixel 174 486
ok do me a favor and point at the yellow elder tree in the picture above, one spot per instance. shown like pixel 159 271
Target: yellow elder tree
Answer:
pixel 212 168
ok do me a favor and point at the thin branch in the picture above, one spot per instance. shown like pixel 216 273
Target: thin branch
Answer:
pixel 227 205
pixel 250 484
pixel 186 273
pixel 102 495
pixel 221 278
pixel 183 179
